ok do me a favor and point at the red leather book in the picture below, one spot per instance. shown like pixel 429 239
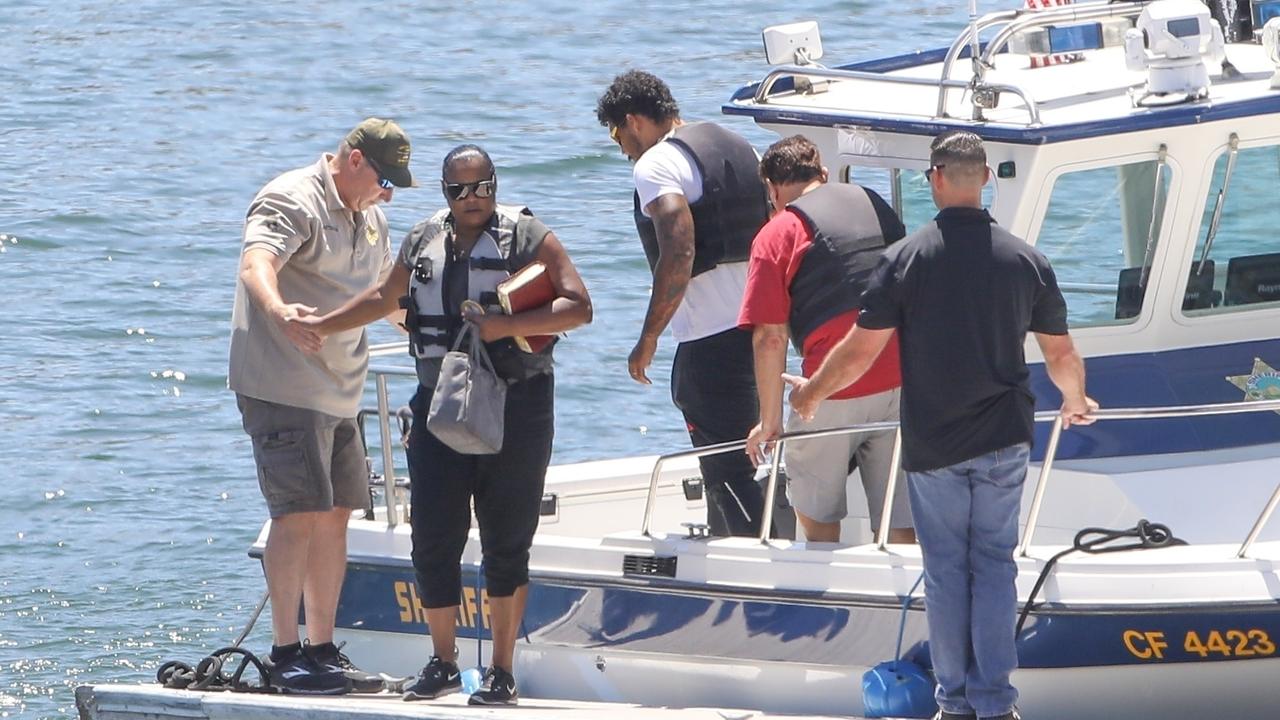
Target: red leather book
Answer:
pixel 528 288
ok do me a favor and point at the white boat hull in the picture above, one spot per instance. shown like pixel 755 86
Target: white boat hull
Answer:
pixel 791 628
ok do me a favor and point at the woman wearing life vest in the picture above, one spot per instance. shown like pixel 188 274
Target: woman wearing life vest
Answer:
pixel 458 255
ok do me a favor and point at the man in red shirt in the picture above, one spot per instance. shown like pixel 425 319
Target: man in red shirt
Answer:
pixel 809 266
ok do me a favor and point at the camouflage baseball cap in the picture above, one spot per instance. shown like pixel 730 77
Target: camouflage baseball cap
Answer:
pixel 385 143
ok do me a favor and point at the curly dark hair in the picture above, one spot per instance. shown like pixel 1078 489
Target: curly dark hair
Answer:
pixel 636 92
pixel 791 160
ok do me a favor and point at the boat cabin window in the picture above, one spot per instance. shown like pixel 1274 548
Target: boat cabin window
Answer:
pixel 1236 265
pixel 906 190
pixel 1101 232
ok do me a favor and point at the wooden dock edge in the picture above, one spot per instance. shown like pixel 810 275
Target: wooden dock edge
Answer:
pixel 152 702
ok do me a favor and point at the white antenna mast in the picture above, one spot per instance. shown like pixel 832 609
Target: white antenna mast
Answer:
pixel 974 56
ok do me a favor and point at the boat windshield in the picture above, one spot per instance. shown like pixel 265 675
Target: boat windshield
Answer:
pixel 1101 232
pixel 1237 264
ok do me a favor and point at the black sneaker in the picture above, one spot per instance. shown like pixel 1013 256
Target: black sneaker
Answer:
pixel 497 688
pixel 1011 715
pixel 439 677
pixel 296 674
pixel 331 658
pixel 944 715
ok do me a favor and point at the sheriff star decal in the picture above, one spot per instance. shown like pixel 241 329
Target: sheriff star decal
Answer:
pixel 371 234
pixel 1262 383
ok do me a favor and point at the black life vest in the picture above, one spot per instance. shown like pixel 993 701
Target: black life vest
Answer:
pixel 847 244
pixel 733 205
pixel 433 321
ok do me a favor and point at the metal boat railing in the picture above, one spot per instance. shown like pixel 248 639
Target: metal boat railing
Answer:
pixel 1013 22
pixel 1016 21
pixel 1046 467
pixel 766 85
pixel 391 489
pixel 400 348
pixel 1027 19
pixel 393 500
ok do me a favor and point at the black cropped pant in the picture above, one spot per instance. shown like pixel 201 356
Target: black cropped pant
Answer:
pixel 506 486
pixel 713 383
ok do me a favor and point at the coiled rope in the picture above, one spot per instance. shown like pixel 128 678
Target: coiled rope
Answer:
pixel 211 673
pixel 1148 536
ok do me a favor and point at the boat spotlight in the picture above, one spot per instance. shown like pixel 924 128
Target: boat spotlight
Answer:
pixel 1173 41
pixel 1271 43
pixel 792 44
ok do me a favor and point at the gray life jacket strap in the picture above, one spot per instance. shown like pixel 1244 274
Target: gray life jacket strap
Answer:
pixel 440 321
pixel 488 263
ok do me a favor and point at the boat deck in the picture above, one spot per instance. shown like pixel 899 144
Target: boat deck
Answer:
pixel 1094 90
pixel 152 702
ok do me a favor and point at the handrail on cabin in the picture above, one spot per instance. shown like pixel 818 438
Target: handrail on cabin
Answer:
pixel 1016 21
pixel 765 88
pixel 1069 14
pixel 1013 21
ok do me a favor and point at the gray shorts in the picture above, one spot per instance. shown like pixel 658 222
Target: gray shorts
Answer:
pixel 818 469
pixel 307 461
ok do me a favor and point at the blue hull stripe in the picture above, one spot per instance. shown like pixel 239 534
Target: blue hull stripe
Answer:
pixel 563 613
pixel 1190 376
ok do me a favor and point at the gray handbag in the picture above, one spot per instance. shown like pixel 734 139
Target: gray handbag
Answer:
pixel 470 400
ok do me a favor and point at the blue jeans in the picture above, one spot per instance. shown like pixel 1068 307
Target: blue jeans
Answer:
pixel 966 519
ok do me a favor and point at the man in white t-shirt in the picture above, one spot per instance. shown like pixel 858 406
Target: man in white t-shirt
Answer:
pixel 698 203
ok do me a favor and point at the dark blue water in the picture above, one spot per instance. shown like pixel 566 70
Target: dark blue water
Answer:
pixel 132 137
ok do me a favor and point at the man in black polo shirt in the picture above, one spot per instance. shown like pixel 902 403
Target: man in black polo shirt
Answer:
pixel 962 294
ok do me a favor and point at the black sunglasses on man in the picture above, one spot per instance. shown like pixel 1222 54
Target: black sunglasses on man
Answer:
pixel 383 182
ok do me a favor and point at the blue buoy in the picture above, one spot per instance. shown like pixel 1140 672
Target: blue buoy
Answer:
pixel 898 688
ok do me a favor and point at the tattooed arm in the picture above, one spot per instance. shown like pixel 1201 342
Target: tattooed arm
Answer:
pixel 674 222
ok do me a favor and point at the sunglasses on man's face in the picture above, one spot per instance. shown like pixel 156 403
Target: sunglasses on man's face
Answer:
pixel 928 174
pixel 480 189
pixel 383 182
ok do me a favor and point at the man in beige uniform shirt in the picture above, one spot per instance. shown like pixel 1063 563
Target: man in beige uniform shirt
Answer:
pixel 313 238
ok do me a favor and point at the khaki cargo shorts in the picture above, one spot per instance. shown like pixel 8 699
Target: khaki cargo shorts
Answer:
pixel 818 468
pixel 307 461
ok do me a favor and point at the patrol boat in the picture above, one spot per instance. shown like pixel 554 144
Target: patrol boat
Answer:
pixel 1139 149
